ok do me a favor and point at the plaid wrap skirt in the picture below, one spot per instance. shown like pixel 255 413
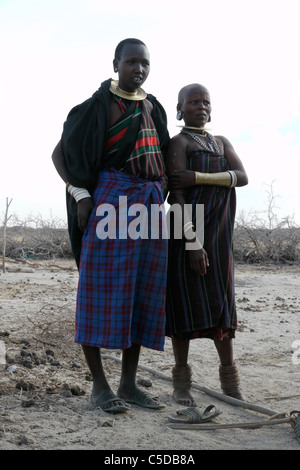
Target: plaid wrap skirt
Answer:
pixel 122 277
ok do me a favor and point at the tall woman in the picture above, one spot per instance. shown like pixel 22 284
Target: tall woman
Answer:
pixel 111 150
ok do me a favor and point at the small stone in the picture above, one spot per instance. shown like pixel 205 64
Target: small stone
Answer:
pixel 25 353
pixel 49 352
pixel 108 423
pixel 75 365
pixel 23 441
pixel 22 385
pixel 55 363
pixel 144 383
pixel 27 363
pixel 11 369
pixel 77 391
pixel 4 333
pixel 27 403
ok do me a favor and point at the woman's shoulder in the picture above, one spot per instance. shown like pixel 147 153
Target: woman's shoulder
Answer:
pixel 149 104
pixel 178 143
pixel 220 140
pixel 179 139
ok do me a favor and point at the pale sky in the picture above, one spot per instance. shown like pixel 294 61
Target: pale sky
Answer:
pixel 55 54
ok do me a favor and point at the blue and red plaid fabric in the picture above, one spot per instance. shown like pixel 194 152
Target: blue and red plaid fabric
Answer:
pixel 122 282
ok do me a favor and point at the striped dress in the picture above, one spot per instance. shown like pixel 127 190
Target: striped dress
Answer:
pixel 122 279
pixel 204 306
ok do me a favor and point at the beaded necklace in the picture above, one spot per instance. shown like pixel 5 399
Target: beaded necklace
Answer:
pixel 211 145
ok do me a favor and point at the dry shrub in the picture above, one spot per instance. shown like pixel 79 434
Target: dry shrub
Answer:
pixel 53 325
pixel 257 238
pixel 258 244
pixel 265 239
pixel 36 238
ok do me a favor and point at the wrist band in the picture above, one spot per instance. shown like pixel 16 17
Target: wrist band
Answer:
pixel 77 193
pixel 224 178
pixel 187 226
pixel 233 178
pixel 193 245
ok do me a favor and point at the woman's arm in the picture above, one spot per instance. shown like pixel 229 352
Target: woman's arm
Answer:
pixel 235 177
pixel 57 159
pixel 235 162
pixel 83 199
pixel 176 161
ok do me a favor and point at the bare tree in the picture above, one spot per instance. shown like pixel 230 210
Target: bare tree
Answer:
pixel 6 219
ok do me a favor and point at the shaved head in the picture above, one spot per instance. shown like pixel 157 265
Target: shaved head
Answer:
pixel 186 89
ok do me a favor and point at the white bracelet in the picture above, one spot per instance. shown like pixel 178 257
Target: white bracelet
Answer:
pixel 233 178
pixel 77 193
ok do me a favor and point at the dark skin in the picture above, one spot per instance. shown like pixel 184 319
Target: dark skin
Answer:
pixel 195 106
pixel 133 68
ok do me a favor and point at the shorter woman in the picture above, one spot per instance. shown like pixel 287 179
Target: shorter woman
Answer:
pixel 203 170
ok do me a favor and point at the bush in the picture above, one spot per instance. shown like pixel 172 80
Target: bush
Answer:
pixel 36 238
pixel 265 239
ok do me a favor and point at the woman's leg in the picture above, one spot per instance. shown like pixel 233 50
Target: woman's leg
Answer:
pixel 225 351
pixel 100 384
pixel 128 389
pixel 228 371
pixel 181 372
pixel 130 360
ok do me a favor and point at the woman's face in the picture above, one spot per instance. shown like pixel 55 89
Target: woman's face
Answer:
pixel 133 66
pixel 196 107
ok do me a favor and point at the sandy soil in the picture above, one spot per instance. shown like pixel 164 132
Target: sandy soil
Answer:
pixel 45 384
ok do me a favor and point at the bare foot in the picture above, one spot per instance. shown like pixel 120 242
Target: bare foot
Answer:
pixel 141 398
pixel 184 397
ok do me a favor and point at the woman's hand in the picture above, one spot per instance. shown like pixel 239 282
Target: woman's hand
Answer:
pixel 181 179
pixel 84 209
pixel 198 261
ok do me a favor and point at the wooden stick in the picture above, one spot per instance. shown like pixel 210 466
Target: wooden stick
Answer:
pixel 207 427
pixel 281 398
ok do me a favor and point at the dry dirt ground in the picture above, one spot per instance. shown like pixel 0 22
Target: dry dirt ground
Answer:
pixel 45 384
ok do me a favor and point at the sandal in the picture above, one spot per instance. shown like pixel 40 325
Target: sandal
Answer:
pixel 194 416
pixel 106 397
pixel 141 398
